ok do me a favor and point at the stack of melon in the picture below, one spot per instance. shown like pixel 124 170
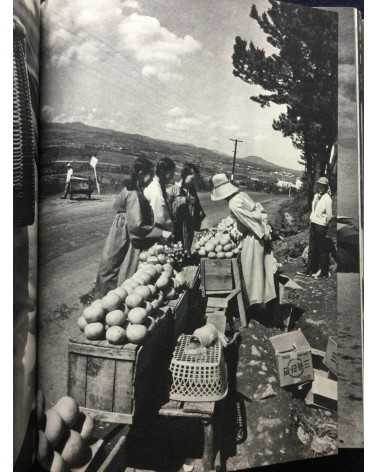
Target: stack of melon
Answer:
pixel 217 246
pixel 124 314
pixel 64 435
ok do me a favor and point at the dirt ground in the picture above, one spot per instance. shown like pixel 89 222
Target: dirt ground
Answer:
pixel 277 429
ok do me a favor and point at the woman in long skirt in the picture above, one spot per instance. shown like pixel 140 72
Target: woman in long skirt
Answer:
pixel 256 256
pixel 132 231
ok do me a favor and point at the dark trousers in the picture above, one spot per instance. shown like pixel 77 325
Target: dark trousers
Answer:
pixel 318 254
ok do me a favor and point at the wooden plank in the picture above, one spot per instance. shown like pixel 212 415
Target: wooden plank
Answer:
pixel 100 383
pixel 108 416
pixel 171 405
pixel 105 466
pixel 124 387
pixel 238 284
pixel 202 408
pixel 216 302
pixel 104 352
pixel 217 274
pixel 77 377
pixel 208 447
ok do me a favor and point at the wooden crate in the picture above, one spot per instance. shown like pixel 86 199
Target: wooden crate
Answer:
pixel 101 378
pixel 217 275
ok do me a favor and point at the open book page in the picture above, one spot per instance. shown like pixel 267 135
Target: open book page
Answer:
pixel 26 36
pixel 188 185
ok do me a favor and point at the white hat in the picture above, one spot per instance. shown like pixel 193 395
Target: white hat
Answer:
pixel 322 180
pixel 222 187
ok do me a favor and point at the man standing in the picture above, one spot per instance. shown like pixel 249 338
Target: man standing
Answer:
pixel 68 180
pixel 321 215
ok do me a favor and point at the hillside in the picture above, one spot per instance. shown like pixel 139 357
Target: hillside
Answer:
pixel 77 142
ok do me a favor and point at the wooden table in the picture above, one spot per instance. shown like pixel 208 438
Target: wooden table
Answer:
pixel 203 411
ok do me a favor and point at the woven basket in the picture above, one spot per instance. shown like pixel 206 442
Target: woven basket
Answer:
pixel 198 374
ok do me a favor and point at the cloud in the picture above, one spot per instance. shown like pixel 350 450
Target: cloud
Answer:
pixel 154 46
pixel 176 111
pixel 88 31
pixel 132 4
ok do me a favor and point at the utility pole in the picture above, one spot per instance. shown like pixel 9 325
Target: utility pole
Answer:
pixel 236 141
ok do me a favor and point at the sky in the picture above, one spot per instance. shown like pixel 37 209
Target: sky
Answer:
pixel 160 68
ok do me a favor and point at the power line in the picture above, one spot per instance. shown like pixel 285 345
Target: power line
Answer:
pixel 236 141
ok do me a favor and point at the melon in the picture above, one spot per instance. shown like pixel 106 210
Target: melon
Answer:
pixel 55 427
pixel 134 300
pixel 136 333
pixel 202 252
pixel 209 247
pixel 159 268
pixel 212 255
pixel 116 334
pixel 162 282
pixel 225 239
pixel 58 464
pixel 137 315
pixel 121 292
pixel 220 255
pixel 111 301
pixel 227 247
pixel 153 260
pixel 153 289
pixel 72 450
pixel 94 313
pixel 132 284
pixel 228 254
pixel 143 291
pixel 68 410
pixel 143 256
pixel 94 331
pixel 236 251
pixel 85 426
pixel 45 452
pixel 116 318
pixel 162 259
pixel 219 248
pixel 81 322
pixel 171 294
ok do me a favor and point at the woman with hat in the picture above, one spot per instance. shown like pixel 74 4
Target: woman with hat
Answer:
pixel 321 215
pixel 256 256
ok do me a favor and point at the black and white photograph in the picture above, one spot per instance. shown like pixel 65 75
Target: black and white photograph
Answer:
pixel 199 234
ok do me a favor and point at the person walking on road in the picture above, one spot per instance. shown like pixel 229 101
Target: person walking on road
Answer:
pixel 321 215
pixel 68 180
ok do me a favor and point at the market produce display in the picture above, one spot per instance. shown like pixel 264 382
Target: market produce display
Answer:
pixel 125 314
pixel 222 242
pixel 64 435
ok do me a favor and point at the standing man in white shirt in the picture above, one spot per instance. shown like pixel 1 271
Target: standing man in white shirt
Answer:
pixel 321 215
pixel 68 180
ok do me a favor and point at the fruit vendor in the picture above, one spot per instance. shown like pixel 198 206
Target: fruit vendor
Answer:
pixel 187 209
pixel 256 256
pixel 133 230
pixel 157 196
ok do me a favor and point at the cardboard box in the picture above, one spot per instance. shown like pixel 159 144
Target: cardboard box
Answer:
pixel 293 358
pixel 330 359
pixel 323 393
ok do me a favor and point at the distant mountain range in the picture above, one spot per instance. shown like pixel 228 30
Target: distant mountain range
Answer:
pixel 77 141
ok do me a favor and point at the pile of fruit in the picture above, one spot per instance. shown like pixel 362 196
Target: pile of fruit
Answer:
pixel 64 435
pixel 173 254
pixel 221 242
pixel 125 314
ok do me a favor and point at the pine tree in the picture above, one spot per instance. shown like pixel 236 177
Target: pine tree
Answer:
pixel 301 74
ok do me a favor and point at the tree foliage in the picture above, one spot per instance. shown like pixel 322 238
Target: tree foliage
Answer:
pixel 301 73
